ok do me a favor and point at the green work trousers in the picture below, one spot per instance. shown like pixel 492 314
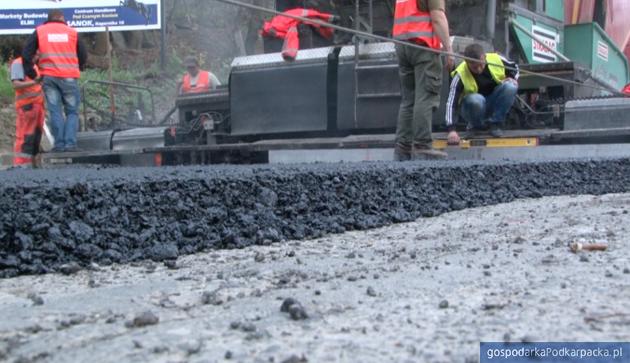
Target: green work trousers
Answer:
pixel 420 81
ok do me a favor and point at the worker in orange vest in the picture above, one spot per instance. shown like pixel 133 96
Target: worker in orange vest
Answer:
pixel 422 23
pixel 283 27
pixel 196 80
pixel 61 57
pixel 29 107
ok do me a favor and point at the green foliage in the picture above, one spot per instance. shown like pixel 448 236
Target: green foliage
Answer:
pixel 120 106
pixel 6 89
pixel 100 99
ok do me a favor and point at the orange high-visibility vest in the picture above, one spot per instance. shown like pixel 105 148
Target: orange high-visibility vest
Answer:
pixel 58 50
pixel 203 83
pixel 31 94
pixel 412 24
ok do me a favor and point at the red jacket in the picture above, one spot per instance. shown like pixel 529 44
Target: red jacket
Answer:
pixel 283 27
pixel 58 50
pixel 626 89
pixel 412 24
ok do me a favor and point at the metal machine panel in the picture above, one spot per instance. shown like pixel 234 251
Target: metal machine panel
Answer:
pixel 557 88
pixel 555 9
pixel 138 138
pixel 597 114
pixel 589 45
pixel 95 140
pixel 191 105
pixel 377 101
pixel 269 96
pixel 368 95
pixel 271 59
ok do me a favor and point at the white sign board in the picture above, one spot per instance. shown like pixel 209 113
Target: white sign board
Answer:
pixel 22 16
pixel 551 39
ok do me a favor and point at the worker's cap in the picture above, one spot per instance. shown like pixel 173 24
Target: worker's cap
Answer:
pixel 191 62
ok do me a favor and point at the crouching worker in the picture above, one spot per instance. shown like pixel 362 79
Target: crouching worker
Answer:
pixel 484 91
pixel 29 105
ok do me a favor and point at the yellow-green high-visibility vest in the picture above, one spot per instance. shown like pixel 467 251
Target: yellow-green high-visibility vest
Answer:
pixel 495 65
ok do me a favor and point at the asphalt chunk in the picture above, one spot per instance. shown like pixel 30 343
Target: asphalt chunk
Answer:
pixel 143 319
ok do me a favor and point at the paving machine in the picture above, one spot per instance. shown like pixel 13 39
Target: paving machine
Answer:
pixel 338 89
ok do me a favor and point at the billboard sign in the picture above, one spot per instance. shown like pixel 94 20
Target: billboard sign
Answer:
pixel 21 17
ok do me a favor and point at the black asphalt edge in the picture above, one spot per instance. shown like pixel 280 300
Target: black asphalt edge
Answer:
pixel 51 218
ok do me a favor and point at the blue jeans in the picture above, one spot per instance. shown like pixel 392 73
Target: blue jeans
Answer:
pixel 63 92
pixel 478 110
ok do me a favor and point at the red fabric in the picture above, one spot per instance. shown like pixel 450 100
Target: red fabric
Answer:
pixel 203 83
pixel 626 89
pixel 32 94
pixel 58 50
pixel 410 23
pixel 283 27
pixel 291 44
pixel 29 127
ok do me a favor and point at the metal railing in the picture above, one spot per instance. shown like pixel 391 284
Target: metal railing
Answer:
pixel 119 114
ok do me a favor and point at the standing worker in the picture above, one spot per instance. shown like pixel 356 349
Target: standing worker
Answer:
pixel 420 22
pixel 485 89
pixel 29 107
pixel 61 58
pixel 196 80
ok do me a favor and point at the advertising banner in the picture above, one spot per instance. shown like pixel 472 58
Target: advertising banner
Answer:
pixel 22 16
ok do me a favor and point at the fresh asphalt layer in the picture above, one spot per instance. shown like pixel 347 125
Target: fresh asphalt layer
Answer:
pixel 53 220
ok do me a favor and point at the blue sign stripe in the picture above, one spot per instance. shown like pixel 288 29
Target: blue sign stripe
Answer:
pixel 84 19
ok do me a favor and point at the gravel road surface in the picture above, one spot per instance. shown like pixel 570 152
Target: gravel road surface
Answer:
pixel 425 291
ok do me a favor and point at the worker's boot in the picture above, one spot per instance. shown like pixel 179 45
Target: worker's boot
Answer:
pixel 422 152
pixel 402 152
pixel 496 131
pixel 476 132
pixel 37 162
